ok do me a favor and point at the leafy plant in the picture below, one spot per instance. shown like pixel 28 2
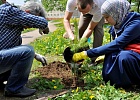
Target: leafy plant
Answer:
pixel 55 84
pixel 51 5
pixel 43 84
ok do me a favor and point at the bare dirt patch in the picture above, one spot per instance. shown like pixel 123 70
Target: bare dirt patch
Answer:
pixel 60 70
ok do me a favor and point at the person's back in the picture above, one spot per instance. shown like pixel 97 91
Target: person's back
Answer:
pixel 8 26
pixel 16 59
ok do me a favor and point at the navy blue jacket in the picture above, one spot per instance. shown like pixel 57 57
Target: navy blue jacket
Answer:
pixel 128 33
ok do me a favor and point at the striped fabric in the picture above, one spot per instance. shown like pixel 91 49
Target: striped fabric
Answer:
pixel 12 22
pixel 117 9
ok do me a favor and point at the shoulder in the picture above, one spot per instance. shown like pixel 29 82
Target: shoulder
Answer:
pixel 132 22
pixel 71 4
pixel 9 9
pixel 132 18
pixel 99 3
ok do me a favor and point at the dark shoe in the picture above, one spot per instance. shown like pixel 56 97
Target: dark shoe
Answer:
pixel 24 92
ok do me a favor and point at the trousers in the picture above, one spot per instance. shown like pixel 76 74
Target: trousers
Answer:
pixel 15 66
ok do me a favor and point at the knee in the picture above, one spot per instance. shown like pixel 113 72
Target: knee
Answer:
pixel 29 50
pixel 124 55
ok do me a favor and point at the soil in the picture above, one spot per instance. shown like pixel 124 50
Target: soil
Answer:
pixel 56 69
pixel 60 70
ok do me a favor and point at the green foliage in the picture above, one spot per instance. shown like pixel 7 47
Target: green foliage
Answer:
pixel 135 5
pixel 107 92
pixel 102 92
pixel 43 84
pixel 55 84
pixel 75 22
pixel 107 36
pixel 28 30
pixel 80 46
pixel 92 76
pixel 51 5
pixel 51 43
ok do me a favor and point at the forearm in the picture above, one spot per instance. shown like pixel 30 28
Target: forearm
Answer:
pixel 68 27
pixel 33 21
pixel 41 23
pixel 87 33
pixel 89 29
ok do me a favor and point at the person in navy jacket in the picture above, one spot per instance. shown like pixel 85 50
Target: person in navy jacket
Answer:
pixel 122 55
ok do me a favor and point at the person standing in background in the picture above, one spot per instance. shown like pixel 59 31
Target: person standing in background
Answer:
pixel 91 21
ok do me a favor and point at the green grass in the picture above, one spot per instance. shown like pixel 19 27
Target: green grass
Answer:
pixel 28 30
pixel 54 44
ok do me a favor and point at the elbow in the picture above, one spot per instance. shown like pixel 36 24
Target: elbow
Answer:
pixel 46 24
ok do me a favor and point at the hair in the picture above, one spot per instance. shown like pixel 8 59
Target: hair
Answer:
pixel 34 8
pixel 83 3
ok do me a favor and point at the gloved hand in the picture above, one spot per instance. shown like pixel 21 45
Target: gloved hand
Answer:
pixel 41 59
pixel 79 56
pixel 45 31
pixel 100 58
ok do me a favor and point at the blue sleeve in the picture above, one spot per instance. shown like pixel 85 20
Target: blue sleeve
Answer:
pixel 111 31
pixel 17 17
pixel 129 34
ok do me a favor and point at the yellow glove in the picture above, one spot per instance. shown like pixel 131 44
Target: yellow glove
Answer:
pixel 79 56
pixel 100 58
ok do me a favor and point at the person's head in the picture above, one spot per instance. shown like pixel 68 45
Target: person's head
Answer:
pixel 114 11
pixel 33 8
pixel 84 6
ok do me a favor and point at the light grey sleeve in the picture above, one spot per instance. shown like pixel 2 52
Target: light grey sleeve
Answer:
pixel 71 5
pixel 97 16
